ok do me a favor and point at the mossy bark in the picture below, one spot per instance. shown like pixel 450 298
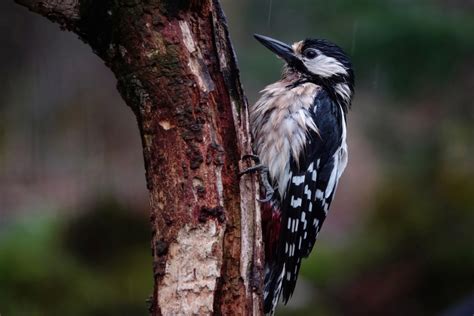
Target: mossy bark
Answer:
pixel 176 70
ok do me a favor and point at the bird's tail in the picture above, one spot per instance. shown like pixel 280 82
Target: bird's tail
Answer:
pixel 274 273
pixel 274 266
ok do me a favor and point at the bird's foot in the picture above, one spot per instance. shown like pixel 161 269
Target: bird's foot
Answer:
pixel 256 168
pixel 255 158
pixel 264 176
pixel 264 179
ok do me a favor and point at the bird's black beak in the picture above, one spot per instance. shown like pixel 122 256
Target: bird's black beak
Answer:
pixel 281 49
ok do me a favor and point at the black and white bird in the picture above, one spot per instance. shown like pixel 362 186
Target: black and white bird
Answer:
pixel 299 131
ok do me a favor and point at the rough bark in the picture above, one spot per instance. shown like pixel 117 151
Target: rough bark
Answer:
pixel 176 70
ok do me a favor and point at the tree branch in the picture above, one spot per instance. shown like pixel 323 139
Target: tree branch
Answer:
pixel 64 12
pixel 177 71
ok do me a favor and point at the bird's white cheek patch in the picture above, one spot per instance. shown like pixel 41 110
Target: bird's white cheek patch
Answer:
pixel 325 66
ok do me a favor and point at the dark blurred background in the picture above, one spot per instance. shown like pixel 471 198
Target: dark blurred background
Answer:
pixel 74 232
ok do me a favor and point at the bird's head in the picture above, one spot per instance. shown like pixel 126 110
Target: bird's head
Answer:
pixel 318 61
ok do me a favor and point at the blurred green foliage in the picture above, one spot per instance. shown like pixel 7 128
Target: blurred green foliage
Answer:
pixel 416 247
pixel 94 264
pixel 397 46
pixel 413 60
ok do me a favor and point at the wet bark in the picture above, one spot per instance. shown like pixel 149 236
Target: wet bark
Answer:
pixel 176 69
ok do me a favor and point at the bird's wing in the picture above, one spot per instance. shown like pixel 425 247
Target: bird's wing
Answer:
pixel 311 188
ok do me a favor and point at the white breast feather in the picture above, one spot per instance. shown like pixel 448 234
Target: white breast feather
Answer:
pixel 280 122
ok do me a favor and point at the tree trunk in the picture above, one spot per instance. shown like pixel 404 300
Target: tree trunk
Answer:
pixel 176 69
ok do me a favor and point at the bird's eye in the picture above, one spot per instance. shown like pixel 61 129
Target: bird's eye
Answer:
pixel 310 53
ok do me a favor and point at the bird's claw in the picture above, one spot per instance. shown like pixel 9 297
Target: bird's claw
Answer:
pixel 268 197
pixel 263 176
pixel 253 169
pixel 255 158
pixel 268 188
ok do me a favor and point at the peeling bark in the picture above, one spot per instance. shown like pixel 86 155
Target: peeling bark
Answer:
pixel 176 69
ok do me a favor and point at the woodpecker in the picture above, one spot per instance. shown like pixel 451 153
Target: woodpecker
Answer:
pixel 299 137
